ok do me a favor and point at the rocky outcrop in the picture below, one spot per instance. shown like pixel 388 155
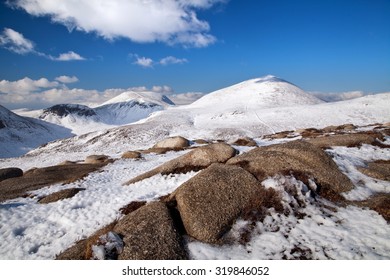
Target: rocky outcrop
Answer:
pixel 11 172
pixel 297 157
pixel 149 233
pixel 63 194
pixel 41 177
pixel 212 200
pixel 96 159
pixel 379 170
pixel 246 141
pixel 131 155
pixel 197 159
pixel 176 142
pixel 348 140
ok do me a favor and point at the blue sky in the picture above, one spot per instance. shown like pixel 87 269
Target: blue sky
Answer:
pixel 74 52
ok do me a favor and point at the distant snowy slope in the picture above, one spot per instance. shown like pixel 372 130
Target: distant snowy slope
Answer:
pixel 123 109
pixel 19 134
pixel 131 106
pixel 265 92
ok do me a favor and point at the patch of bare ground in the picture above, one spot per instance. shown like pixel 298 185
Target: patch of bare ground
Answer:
pixel 378 169
pixel 380 203
pixel 37 178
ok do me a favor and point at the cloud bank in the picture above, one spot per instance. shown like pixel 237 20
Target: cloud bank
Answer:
pixel 168 21
pixel 17 43
pixel 43 93
pixel 338 96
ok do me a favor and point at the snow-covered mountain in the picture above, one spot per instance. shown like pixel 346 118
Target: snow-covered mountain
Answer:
pixel 20 134
pixel 275 106
pixel 123 109
pixel 131 106
pixel 264 92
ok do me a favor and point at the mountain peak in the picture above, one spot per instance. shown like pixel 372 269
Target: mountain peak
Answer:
pixel 264 92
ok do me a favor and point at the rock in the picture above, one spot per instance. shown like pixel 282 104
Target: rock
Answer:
pixel 379 170
pixel 149 234
pixel 201 141
pixel 176 142
pixel 11 172
pixel 93 159
pixel 246 141
pixel 67 162
pixel 76 252
pixel 158 151
pixel 64 194
pixel 212 200
pixel 348 140
pixel 131 154
pixel 41 177
pixel 379 203
pixel 299 158
pixel 196 159
pixel 310 132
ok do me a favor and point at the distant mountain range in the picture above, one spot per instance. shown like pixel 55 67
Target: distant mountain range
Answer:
pixel 251 108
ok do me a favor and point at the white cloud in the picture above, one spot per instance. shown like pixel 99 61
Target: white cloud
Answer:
pixel 168 21
pixel 41 93
pixel 172 60
pixel 67 79
pixel 69 56
pixel 15 42
pixel 25 86
pixel 144 61
pixel 147 62
pixel 338 96
pixel 186 98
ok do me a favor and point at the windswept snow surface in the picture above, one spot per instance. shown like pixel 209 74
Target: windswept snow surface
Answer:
pixel 19 135
pixel 29 230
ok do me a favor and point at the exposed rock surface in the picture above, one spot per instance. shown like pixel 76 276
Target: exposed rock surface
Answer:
pixel 131 154
pixel 196 159
pixel 64 194
pixel 212 200
pixel 176 142
pixel 149 234
pixel 297 157
pixel 40 177
pixel 96 159
pixel 378 169
pixel 246 141
pixel 348 140
pixel 11 172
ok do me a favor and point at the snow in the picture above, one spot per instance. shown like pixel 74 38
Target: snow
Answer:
pixel 346 233
pixel 254 108
pixel 29 230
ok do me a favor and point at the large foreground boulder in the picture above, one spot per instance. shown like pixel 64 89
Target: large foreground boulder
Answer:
pixel 196 159
pixel 297 158
pixel 11 172
pixel 212 200
pixel 149 234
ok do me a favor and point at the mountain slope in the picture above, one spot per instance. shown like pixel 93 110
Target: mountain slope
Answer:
pixel 123 109
pixel 265 92
pixel 19 134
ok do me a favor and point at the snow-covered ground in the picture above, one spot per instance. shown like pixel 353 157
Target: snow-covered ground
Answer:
pixel 254 108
